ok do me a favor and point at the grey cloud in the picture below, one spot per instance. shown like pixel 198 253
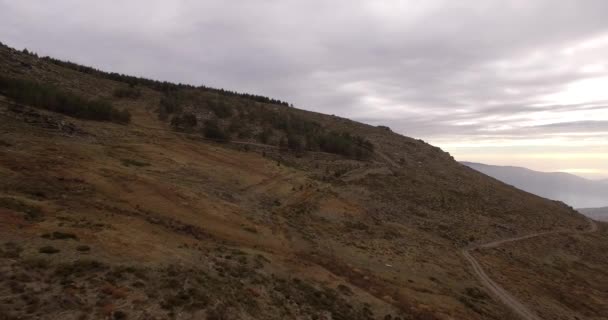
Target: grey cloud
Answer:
pixel 416 66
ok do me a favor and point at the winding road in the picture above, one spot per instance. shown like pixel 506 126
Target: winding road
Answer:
pixel 499 292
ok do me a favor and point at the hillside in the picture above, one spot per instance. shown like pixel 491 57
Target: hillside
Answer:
pixel 576 191
pixel 203 204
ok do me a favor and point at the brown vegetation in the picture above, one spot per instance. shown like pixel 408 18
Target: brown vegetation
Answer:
pixel 295 215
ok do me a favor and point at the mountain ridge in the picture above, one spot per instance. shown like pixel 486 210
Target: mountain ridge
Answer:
pixel 600 214
pixel 572 189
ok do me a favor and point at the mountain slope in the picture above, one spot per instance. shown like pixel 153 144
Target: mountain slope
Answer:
pixel 165 218
pixel 573 190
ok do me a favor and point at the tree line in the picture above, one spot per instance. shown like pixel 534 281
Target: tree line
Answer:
pixel 163 86
pixel 49 97
pixel 262 123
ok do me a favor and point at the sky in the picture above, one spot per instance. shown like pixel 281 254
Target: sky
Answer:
pixel 519 82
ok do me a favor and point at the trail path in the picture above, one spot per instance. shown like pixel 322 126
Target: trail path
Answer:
pixel 499 292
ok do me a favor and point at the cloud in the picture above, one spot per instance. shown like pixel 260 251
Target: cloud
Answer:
pixel 443 71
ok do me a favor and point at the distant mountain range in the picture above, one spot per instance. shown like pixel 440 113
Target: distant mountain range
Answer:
pixel 596 213
pixel 576 191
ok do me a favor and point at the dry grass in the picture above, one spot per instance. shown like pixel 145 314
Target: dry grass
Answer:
pixel 176 225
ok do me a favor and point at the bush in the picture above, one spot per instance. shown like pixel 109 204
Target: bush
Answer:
pixel 50 98
pixel 64 235
pixel 302 134
pixel 264 136
pixel 221 109
pixel 30 212
pixel 345 144
pixel 171 103
pixel 35 264
pixel 11 251
pixel 236 126
pixel 120 315
pixel 186 121
pixel 131 162
pixel 294 143
pixel 83 248
pixel 128 92
pixel 212 130
pixel 48 250
pixel 79 267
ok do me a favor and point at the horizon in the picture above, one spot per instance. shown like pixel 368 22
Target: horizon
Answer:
pixel 600 179
pixel 494 95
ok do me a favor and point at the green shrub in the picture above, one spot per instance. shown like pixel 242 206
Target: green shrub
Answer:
pixel 50 98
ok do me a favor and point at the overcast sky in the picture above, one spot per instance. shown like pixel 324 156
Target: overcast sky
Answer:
pixel 501 82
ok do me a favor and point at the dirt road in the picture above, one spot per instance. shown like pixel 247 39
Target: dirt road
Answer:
pixel 495 289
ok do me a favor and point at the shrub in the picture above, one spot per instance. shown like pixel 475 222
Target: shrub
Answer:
pixel 83 248
pixel 30 212
pixel 120 315
pixel 219 312
pixel 131 162
pixel 35 264
pixel 64 235
pixel 236 126
pixel 186 121
pixel 302 134
pixel 79 267
pixel 128 92
pixel 122 116
pixel 212 130
pixel 50 98
pixel 48 250
pixel 294 143
pixel 264 136
pixel 171 103
pixel 12 251
pixel 221 109
pixel 345 144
